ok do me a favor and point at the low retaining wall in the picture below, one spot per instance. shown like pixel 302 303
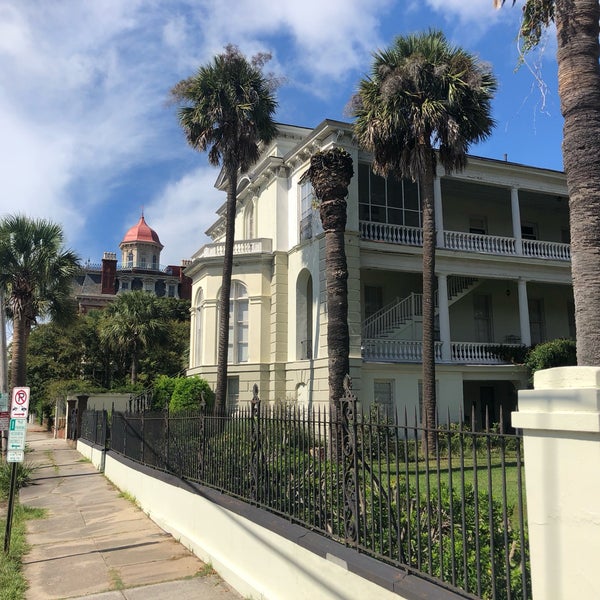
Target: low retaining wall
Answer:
pixel 260 554
pixel 96 454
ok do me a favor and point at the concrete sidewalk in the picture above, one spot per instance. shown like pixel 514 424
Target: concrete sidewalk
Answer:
pixel 94 544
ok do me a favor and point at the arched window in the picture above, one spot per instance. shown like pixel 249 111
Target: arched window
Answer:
pixel 304 316
pixel 238 323
pixel 130 259
pixel 249 220
pixel 198 328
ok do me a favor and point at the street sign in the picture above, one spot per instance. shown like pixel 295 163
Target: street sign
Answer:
pixel 15 456
pixel 4 420
pixel 19 408
pixel 16 434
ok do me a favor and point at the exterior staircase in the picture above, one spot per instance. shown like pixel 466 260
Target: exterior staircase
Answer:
pixel 394 318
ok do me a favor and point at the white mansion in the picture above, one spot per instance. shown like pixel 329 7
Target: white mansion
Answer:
pixel 503 278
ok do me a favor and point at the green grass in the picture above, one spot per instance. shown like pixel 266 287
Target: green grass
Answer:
pixel 12 583
pixel 484 474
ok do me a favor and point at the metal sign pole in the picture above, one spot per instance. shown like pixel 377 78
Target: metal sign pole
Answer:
pixel 11 501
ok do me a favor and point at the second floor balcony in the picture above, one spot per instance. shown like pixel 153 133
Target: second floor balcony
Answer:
pixel 467 242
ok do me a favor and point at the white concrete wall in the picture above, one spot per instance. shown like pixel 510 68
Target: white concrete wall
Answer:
pixel 257 562
pixel 560 419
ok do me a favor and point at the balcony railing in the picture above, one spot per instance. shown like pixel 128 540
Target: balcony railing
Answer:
pixel 466 242
pixel 406 351
pixel 257 246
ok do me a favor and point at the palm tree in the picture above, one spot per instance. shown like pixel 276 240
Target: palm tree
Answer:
pixel 577 31
pixel 36 276
pixel 228 110
pixel 330 173
pixel 132 323
pixel 424 101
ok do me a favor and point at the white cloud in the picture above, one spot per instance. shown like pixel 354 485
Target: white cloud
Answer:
pixel 182 211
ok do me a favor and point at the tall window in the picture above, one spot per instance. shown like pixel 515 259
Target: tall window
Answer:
pixel 304 316
pixel 249 221
pixel 198 327
pixel 482 308
pixel 537 322
pixel 373 299
pixel 238 324
pixel 383 393
pixel 233 393
pixel 130 259
pixel 306 210
pixel 387 199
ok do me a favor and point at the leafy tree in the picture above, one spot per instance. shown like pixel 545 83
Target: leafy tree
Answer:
pixel 330 174
pixel 131 324
pixel 577 31
pixel 424 101
pixel 36 278
pixel 227 110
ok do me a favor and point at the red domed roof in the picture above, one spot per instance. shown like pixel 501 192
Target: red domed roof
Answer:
pixel 141 233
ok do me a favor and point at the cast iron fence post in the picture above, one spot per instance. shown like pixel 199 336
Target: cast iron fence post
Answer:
pixel 255 436
pixel 350 462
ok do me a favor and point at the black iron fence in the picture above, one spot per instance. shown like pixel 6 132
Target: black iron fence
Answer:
pixel 453 512
pixel 94 427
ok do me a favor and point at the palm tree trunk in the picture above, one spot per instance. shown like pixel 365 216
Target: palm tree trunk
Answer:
pixel 579 90
pixel 333 217
pixel 18 374
pixel 223 306
pixel 429 399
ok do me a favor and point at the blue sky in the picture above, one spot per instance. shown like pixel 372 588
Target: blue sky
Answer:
pixel 87 138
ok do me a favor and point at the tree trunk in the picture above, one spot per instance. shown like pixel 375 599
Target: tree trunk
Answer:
pixel 333 216
pixel 579 90
pixel 18 373
pixel 223 306
pixel 428 357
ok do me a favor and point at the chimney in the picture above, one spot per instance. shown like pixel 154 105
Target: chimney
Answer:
pixel 109 273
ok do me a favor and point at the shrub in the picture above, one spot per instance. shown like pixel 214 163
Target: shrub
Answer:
pixel 24 471
pixel 556 353
pixel 187 394
pixel 164 386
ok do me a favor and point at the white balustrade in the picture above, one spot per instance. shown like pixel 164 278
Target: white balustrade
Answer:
pixel 384 350
pixel 476 242
pixel 239 247
pixel 549 250
pixel 392 234
pixel 465 241
pixel 400 351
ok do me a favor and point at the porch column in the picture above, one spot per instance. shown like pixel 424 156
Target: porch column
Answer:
pixel 444 317
pixel 516 220
pixel 524 313
pixel 437 209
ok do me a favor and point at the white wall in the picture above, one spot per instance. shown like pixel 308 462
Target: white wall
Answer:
pixel 253 559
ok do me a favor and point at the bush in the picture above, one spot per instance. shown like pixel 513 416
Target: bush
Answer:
pixel 24 471
pixel 556 353
pixel 164 386
pixel 187 394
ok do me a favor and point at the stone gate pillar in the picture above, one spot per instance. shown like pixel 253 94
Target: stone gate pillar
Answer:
pixel 560 419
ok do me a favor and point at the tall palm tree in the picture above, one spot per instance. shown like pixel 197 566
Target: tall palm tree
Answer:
pixel 228 108
pixel 577 31
pixel 36 275
pixel 330 173
pixel 132 323
pixel 424 101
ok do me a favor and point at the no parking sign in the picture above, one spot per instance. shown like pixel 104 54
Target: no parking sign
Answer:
pixel 19 407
